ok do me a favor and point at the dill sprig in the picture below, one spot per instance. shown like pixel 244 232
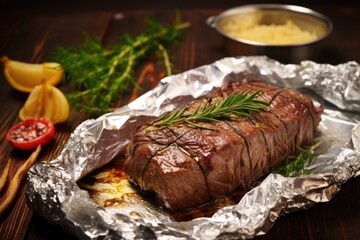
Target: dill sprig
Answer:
pixel 99 75
pixel 296 165
pixel 234 106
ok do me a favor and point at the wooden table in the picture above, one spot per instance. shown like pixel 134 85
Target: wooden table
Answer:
pixel 31 31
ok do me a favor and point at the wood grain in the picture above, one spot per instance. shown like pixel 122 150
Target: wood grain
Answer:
pixel 31 33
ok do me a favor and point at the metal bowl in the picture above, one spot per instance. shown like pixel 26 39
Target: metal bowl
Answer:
pixel 304 18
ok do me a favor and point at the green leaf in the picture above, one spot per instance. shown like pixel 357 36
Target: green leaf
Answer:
pixel 234 106
pixel 296 165
pixel 98 75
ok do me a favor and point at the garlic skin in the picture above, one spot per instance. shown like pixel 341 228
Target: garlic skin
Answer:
pixel 25 76
pixel 46 101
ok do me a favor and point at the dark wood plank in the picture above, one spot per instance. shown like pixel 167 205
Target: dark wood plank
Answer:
pixel 337 219
pixel 32 32
pixel 40 228
pixel 38 36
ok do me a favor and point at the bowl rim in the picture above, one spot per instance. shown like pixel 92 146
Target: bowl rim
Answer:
pixel 213 21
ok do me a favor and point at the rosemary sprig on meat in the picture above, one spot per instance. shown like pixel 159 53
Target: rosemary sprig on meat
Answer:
pixel 234 106
pixel 296 165
pixel 98 75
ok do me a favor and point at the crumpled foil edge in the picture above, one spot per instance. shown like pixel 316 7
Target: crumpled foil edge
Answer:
pixel 52 190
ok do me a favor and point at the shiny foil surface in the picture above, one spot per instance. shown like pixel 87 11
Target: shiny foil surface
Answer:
pixel 54 192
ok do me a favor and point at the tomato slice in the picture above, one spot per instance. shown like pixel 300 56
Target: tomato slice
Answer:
pixel 28 134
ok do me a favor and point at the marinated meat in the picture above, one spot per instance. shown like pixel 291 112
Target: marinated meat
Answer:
pixel 188 166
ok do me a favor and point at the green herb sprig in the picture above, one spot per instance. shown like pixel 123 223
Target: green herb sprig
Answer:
pixel 234 106
pixel 296 165
pixel 98 76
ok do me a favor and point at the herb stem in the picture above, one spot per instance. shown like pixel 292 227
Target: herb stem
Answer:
pixel 234 106
pixel 166 59
pixel 98 75
pixel 296 165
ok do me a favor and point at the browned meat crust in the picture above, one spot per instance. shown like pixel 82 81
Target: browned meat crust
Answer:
pixel 188 166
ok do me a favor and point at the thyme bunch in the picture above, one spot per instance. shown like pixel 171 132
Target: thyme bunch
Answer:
pixel 234 106
pixel 296 165
pixel 98 75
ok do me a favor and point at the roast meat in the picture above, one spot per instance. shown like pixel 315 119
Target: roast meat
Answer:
pixel 187 166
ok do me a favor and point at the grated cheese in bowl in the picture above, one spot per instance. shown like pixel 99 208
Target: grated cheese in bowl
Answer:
pixel 248 27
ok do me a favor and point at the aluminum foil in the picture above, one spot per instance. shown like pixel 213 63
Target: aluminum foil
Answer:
pixel 54 193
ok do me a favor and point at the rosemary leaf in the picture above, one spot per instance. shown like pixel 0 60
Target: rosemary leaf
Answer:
pixel 296 165
pixel 234 106
pixel 98 75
